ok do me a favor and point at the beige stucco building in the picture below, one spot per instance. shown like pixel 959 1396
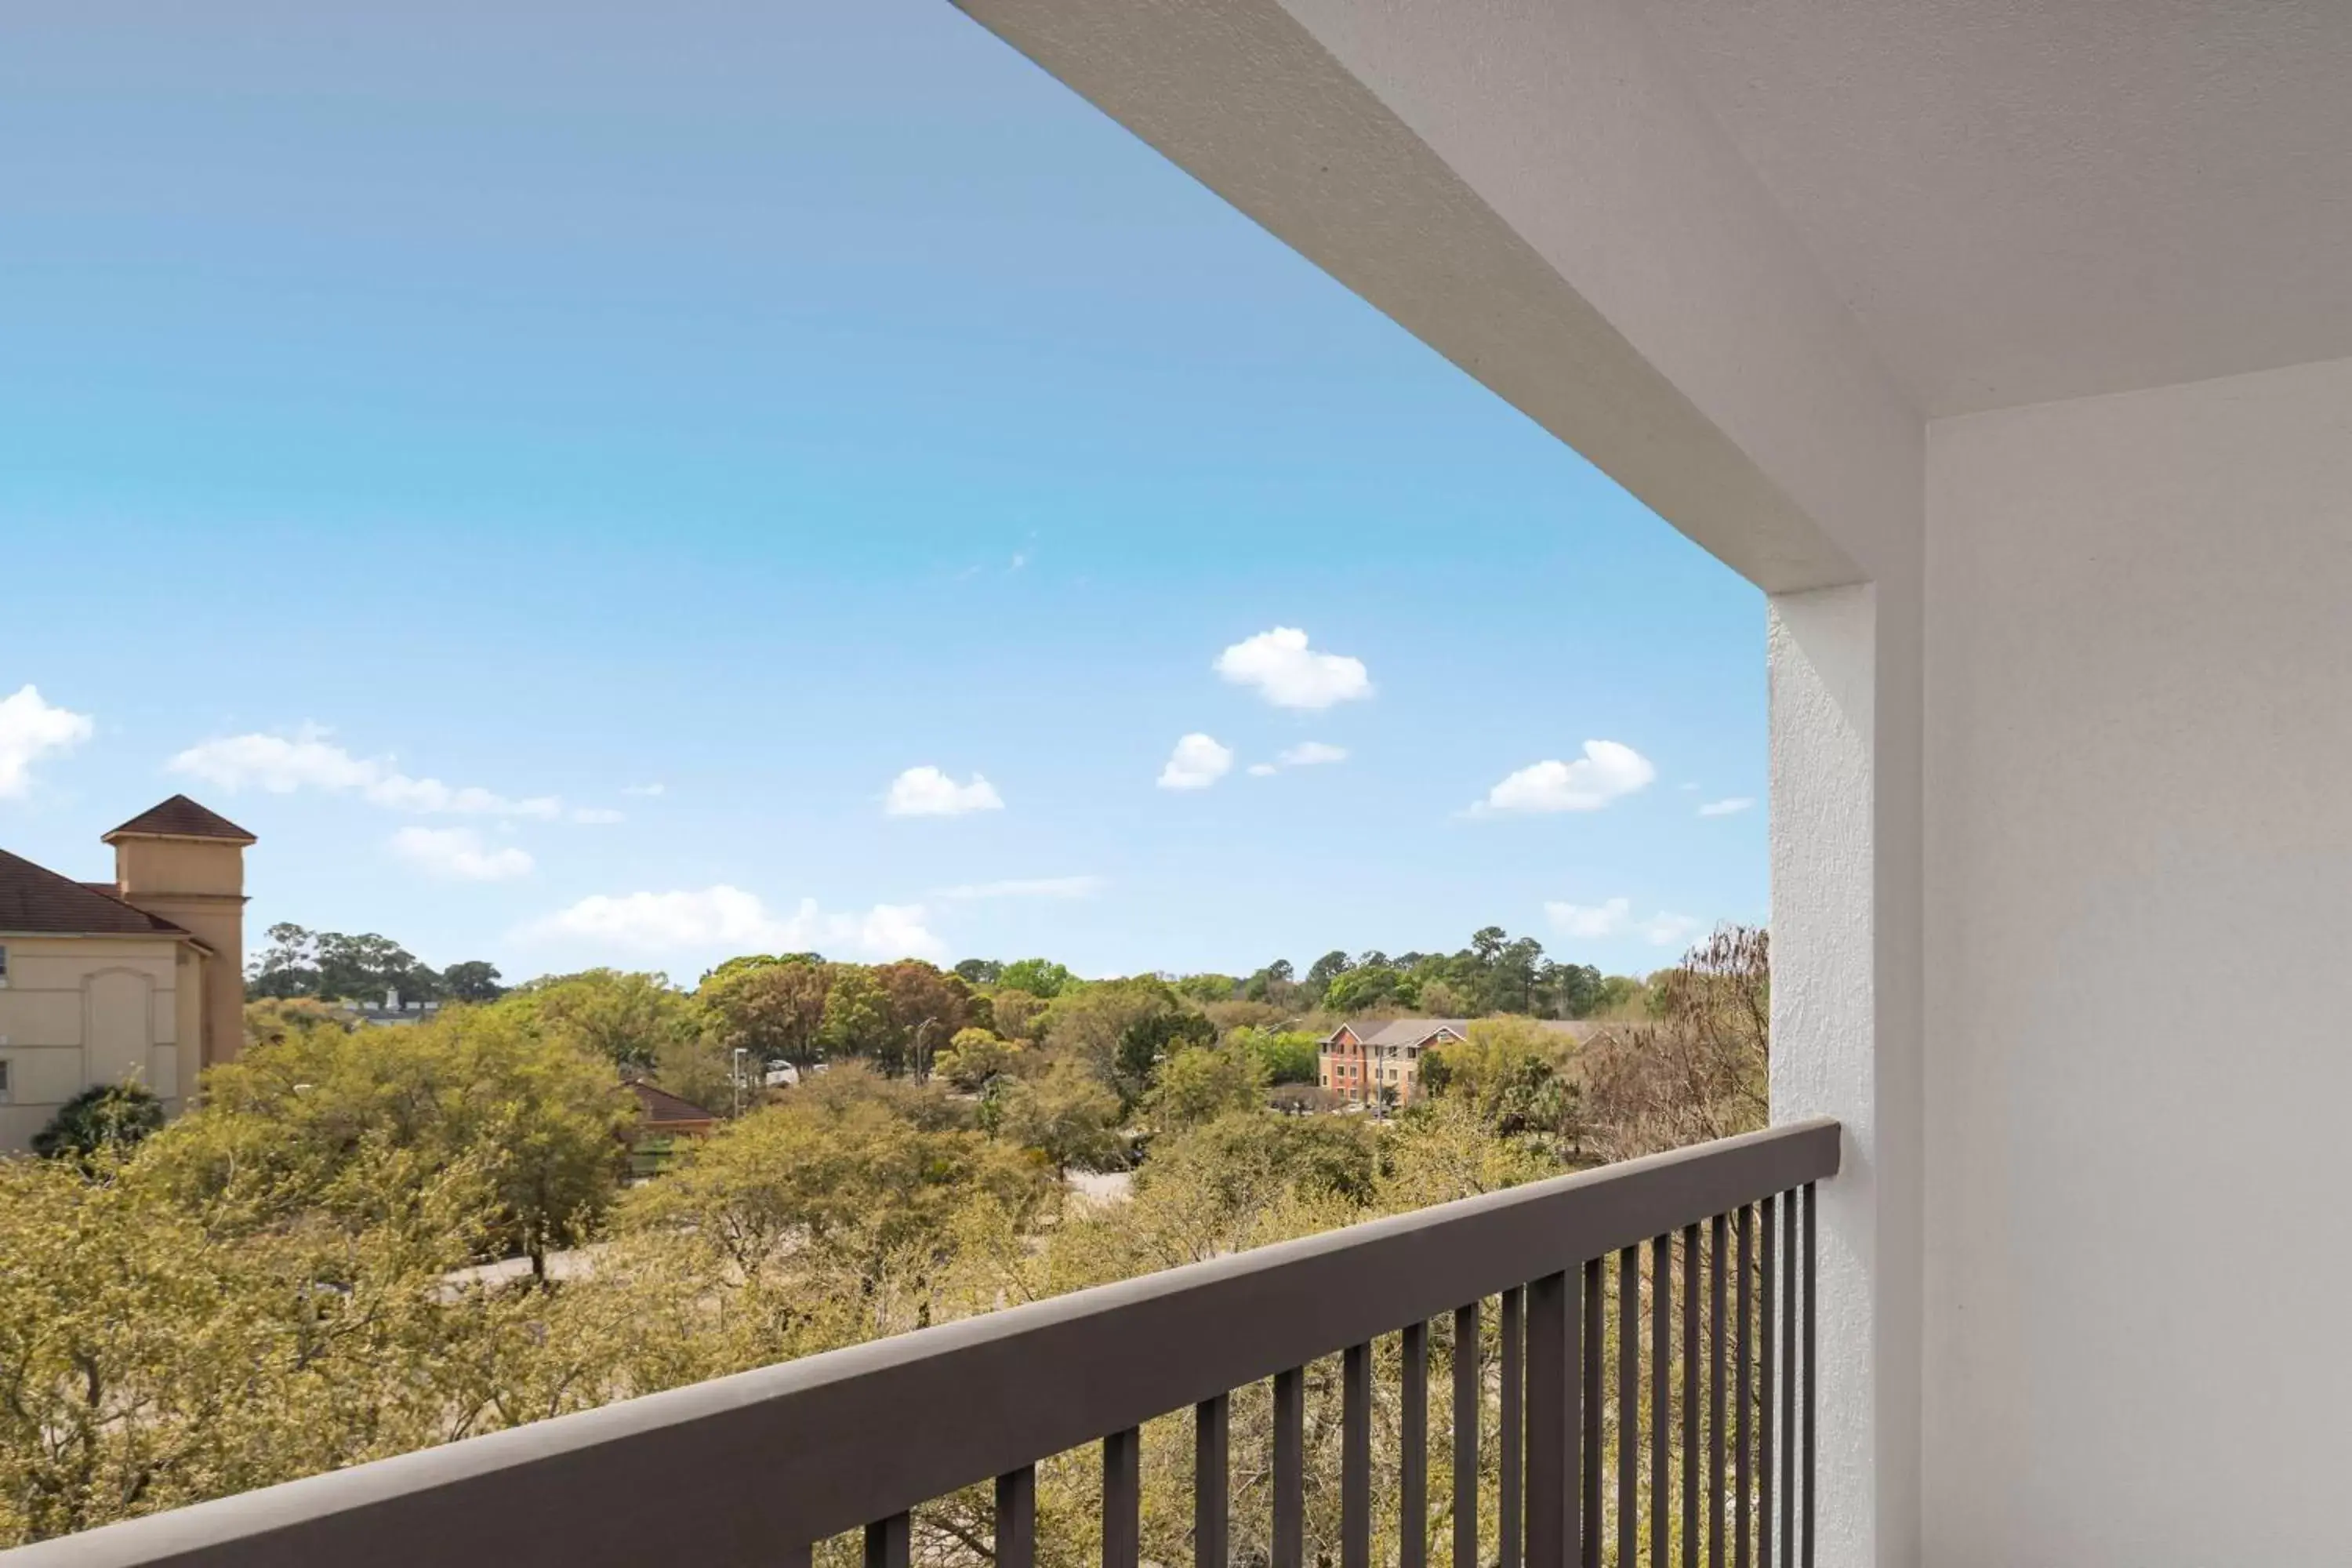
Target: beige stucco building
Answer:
pixel 138 979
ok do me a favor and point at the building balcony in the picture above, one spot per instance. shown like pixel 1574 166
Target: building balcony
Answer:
pixel 2008 353
pixel 1641 1386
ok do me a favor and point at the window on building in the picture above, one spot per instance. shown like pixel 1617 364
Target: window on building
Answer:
pixel 3 1078
pixel 3 966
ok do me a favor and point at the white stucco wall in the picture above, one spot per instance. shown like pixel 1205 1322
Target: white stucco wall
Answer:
pixel 2140 866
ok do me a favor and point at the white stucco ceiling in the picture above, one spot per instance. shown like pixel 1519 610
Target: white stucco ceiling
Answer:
pixel 2029 199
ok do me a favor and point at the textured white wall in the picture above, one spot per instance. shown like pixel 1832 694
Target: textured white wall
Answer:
pixel 2139 871
pixel 1845 1034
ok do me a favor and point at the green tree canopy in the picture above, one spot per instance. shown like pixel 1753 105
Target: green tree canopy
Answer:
pixel 1512 1074
pixel 288 1125
pixel 335 967
pixel 1066 1114
pixel 736 965
pixel 1208 987
pixel 157 1354
pixel 1283 1056
pixel 975 1057
pixel 1199 1083
pixel 1038 976
pixel 1369 988
pixel 927 1007
pixel 773 1011
pixel 1327 968
pixel 846 1176
pixel 1017 1015
pixel 628 1018
pixel 1122 1029
pixel 475 980
pixel 857 1021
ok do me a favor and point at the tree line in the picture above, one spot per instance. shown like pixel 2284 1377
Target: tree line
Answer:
pixel 283 1281
pixel 1495 973
pixel 331 966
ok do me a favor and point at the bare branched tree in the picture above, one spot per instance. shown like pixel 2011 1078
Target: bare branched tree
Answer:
pixel 1702 1069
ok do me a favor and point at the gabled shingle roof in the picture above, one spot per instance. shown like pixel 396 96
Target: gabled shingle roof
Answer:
pixel 1415 1031
pixel 661 1107
pixel 36 901
pixel 180 818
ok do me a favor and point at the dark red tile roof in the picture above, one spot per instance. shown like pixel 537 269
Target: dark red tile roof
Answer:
pixel 660 1106
pixel 180 818
pixel 34 899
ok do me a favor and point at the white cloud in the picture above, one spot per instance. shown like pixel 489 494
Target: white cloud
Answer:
pixel 457 854
pixel 1289 674
pixel 30 729
pixel 1306 754
pixel 1607 771
pixel 725 919
pixel 646 789
pixel 282 765
pixel 1197 762
pixel 598 814
pixel 928 792
pixel 1614 918
pixel 1024 888
pixel 1591 922
pixel 1664 929
pixel 1727 807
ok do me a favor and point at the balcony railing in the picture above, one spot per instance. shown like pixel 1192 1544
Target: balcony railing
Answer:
pixel 1697 1266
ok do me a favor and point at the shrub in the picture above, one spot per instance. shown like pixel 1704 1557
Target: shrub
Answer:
pixel 111 1116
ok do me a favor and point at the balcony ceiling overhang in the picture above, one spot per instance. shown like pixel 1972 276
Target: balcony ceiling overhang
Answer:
pixel 2024 200
pixel 1739 254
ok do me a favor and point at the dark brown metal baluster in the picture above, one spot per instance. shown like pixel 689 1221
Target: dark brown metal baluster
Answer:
pixel 1412 1466
pixel 1508 1511
pixel 1717 1409
pixel 1789 1375
pixel 1765 1356
pixel 1690 1396
pixel 1595 1289
pixel 1467 1401
pixel 1290 1469
pixel 1212 1481
pixel 1356 1457
pixel 1575 1462
pixel 1629 1405
pixel 1662 1366
pixel 1742 1502
pixel 886 1543
pixel 1812 1318
pixel 1016 1518
pixel 1549 1435
pixel 1122 1516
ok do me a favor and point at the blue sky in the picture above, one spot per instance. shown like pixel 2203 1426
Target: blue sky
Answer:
pixel 758 402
